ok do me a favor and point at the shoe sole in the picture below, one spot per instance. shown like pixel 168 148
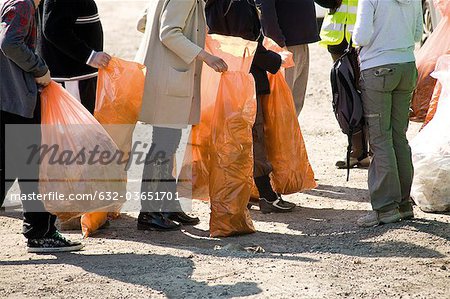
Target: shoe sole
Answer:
pixel 362 166
pixel 340 166
pixel 391 220
pixel 55 250
pixel 277 211
pixel 407 216
pixel 343 164
pixel 187 224
pixel 151 228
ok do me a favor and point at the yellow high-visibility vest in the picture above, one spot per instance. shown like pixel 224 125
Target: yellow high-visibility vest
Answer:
pixel 340 24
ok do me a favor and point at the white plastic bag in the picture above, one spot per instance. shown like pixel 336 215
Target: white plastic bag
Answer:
pixel 431 151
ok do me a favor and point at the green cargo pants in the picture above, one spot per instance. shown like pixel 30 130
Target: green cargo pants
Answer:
pixel 386 95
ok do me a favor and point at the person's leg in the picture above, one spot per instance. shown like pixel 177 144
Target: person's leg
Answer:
pixel 401 99
pixel 37 222
pixel 377 85
pixel 359 154
pixel 297 76
pixel 38 225
pixel 270 201
pixel 157 174
pixel 88 90
pixel 159 183
pixel 261 165
pixel 8 175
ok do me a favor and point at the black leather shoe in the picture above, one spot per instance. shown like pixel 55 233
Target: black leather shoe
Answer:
pixel 156 222
pixel 182 217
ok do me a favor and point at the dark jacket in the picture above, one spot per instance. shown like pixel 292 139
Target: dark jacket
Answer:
pixel 71 29
pixel 289 22
pixel 19 64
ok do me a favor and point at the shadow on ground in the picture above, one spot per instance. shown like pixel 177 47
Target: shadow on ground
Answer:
pixel 328 231
pixel 310 230
pixel 339 192
pixel 170 275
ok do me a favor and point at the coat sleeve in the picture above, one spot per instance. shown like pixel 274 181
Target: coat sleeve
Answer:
pixel 172 22
pixel 58 27
pixel 363 32
pixel 16 22
pixel 269 21
pixel 267 60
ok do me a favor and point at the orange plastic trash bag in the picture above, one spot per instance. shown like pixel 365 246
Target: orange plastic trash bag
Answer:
pixel 79 160
pixel 231 171
pixel 90 222
pixel 196 164
pixel 231 152
pixel 271 45
pixel 220 160
pixel 292 171
pixel 437 44
pixel 195 171
pixel 286 148
pixel 120 87
pixel 433 103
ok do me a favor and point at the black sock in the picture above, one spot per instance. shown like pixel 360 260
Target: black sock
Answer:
pixel 265 188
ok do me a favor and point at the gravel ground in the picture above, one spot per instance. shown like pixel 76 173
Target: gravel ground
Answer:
pixel 315 252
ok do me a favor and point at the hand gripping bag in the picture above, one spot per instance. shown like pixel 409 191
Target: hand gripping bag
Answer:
pixel 436 45
pixel 286 149
pixel 79 160
pixel 431 151
pixel 120 88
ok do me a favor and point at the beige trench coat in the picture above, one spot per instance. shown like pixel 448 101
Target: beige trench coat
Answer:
pixel 174 34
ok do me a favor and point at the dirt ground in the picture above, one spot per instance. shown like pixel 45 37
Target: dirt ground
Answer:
pixel 315 252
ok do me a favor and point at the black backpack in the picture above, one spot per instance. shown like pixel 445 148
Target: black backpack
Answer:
pixel 347 103
pixel 233 18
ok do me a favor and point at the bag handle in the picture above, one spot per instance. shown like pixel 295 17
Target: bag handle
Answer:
pixel 246 52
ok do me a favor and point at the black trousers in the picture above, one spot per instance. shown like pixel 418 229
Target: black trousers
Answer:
pixel 87 90
pixel 37 222
pixel 261 163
